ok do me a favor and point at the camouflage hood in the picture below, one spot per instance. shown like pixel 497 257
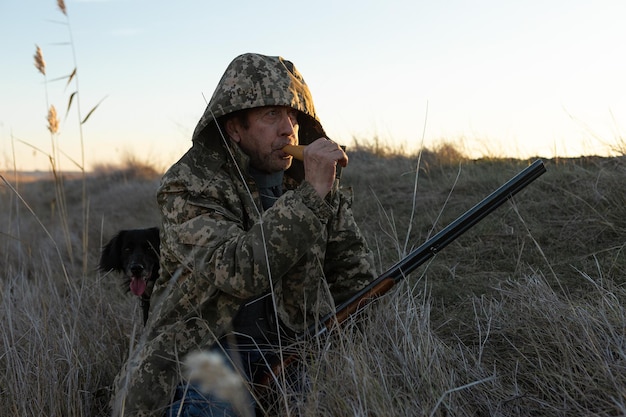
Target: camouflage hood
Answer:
pixel 254 80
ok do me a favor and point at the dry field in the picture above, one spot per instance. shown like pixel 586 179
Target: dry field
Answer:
pixel 523 315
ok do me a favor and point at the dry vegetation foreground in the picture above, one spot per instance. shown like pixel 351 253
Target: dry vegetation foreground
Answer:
pixel 523 315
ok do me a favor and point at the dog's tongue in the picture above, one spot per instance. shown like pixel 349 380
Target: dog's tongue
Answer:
pixel 137 286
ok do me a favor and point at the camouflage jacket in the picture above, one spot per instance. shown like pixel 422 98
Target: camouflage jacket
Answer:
pixel 220 248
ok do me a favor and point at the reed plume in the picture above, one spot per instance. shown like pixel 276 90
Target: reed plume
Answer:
pixel 213 375
pixel 40 64
pixel 53 120
pixel 61 5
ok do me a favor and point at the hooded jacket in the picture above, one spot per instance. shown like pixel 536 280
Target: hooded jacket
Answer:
pixel 219 247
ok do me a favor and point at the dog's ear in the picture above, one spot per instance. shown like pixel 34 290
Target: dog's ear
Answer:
pixel 155 240
pixel 111 256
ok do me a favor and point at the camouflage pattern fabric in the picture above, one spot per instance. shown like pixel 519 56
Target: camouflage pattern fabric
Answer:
pixel 219 247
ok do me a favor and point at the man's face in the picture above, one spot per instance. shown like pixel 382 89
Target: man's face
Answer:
pixel 269 129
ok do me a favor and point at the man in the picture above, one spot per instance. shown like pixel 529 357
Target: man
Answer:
pixel 246 232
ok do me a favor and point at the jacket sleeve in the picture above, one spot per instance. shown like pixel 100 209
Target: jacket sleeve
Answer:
pixel 206 232
pixel 349 263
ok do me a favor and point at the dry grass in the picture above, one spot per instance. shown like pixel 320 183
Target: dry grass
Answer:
pixel 523 315
pixel 526 351
pixel 64 333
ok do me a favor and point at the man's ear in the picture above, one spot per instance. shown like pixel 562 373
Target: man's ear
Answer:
pixel 232 129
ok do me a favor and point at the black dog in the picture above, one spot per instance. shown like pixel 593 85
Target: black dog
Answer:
pixel 135 253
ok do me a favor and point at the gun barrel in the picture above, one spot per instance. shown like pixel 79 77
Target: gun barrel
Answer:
pixel 468 219
pixel 417 257
pixel 429 248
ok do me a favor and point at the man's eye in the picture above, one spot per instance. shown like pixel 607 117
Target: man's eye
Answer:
pixel 271 115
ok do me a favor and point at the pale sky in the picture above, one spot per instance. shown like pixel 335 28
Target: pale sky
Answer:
pixel 499 78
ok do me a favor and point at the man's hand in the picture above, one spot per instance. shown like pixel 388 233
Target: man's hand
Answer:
pixel 320 164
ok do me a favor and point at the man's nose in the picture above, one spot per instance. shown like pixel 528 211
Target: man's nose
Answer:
pixel 287 125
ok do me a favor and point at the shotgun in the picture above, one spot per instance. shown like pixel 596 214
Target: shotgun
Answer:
pixel 405 266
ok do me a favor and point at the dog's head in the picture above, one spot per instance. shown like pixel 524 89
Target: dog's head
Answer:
pixel 135 253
